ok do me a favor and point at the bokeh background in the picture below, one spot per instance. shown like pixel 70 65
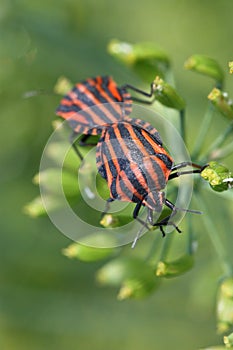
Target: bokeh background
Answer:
pixel 46 300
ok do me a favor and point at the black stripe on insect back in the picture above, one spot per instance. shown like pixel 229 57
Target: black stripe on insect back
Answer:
pixel 112 158
pixel 97 94
pixel 122 160
pixel 132 196
pixel 137 157
pixel 148 146
pixel 167 161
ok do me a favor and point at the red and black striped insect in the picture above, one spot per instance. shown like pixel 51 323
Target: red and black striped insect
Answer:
pixel 96 102
pixel 137 168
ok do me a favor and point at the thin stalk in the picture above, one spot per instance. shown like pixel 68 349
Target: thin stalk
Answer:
pixel 214 237
pixel 182 125
pixel 203 131
pixel 224 152
pixel 153 249
pixel 166 247
pixel 219 141
pixel 191 238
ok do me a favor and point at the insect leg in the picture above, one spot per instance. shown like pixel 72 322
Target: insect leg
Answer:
pixel 166 221
pixel 139 91
pixel 75 148
pixel 144 224
pixel 107 207
pixel 177 174
pixel 184 164
pixel 83 139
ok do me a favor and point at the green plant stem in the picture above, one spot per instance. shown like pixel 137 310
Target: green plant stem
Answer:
pixel 166 247
pixel 190 241
pixel 219 141
pixel 182 125
pixel 224 152
pixel 214 237
pixel 153 249
pixel 203 131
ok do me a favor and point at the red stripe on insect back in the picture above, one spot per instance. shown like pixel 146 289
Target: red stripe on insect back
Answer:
pixel 97 102
pixel 114 90
pixel 103 93
pixel 129 192
pixel 113 156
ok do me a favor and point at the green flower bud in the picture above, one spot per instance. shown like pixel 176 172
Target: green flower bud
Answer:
pixel 167 95
pixel 228 341
pixel 221 102
pixel 63 86
pixel 225 306
pixel 231 67
pixel 206 66
pixel 112 221
pixel 176 267
pixel 36 207
pixel 146 59
pixel 137 288
pixel 218 176
pixel 131 53
pixel 227 288
pixel 115 272
pixel 134 277
pixel 86 253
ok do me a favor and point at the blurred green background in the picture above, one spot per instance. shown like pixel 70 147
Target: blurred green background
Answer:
pixel 46 300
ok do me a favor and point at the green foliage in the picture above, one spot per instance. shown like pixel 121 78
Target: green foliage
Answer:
pixel 137 277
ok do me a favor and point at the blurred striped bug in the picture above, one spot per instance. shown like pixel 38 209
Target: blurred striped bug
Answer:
pixel 94 103
pixel 137 168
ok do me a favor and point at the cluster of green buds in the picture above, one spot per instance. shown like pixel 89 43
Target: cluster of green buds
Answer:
pixel 218 176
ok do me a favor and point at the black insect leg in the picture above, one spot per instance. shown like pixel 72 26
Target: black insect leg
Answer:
pixel 177 174
pixel 75 148
pixel 107 207
pixel 185 164
pixel 139 91
pixel 82 143
pixel 83 139
pixel 135 215
pixel 166 221
pixel 144 224
pixel 198 170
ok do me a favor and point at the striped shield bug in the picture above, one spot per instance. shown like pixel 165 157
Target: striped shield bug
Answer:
pixel 137 168
pixel 96 102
